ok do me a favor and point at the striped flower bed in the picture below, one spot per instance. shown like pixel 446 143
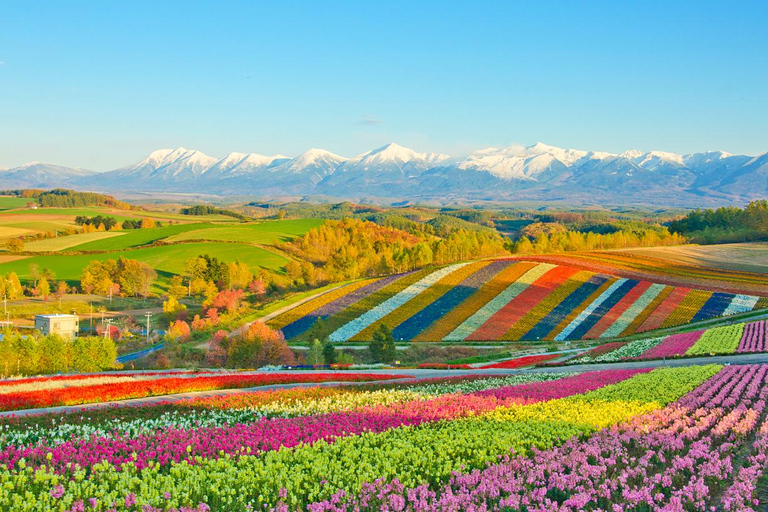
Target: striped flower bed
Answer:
pixel 504 300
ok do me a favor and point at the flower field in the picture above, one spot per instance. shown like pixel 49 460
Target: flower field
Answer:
pixel 688 438
pixel 505 300
pixel 57 391
pixel 740 338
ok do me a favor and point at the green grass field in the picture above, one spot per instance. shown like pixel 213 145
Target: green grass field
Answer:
pixel 164 259
pixel 137 237
pixel 9 202
pixel 268 232
pixel 66 242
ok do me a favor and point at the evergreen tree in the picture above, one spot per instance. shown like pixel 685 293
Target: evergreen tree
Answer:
pixel 382 346
pixel 315 355
pixel 329 353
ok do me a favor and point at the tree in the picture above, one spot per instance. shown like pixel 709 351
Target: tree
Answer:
pixel 315 354
pixel 244 350
pixel 176 288
pixel 217 349
pixel 61 288
pixel 15 245
pixel 382 346
pixel 274 351
pixel 147 223
pixel 329 353
pixel 194 271
pixel 13 288
pixel 172 308
pixel 239 275
pixel 98 277
pixel 228 300
pixel 135 277
pixel 257 287
pixel 43 289
pixel 179 331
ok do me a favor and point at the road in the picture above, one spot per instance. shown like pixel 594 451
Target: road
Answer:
pixel 415 373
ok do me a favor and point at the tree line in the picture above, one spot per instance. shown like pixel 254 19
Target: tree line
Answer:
pixel 30 355
pixel 726 224
pixel 548 240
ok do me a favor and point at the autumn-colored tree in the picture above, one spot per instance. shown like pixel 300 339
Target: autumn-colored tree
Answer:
pixel 15 245
pixel 179 331
pixel 43 288
pixel 217 349
pixel 147 223
pixel 13 287
pixel 239 275
pixel 200 324
pixel 172 308
pixel 274 352
pixel 257 287
pixel 61 288
pixel 212 314
pixel 176 288
pixel 245 350
pixel 228 300
pixel 135 277
pixel 99 277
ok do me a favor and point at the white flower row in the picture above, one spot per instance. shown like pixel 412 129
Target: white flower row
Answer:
pixel 589 310
pixel 631 349
pixel 493 306
pixel 632 311
pixel 741 304
pixel 375 314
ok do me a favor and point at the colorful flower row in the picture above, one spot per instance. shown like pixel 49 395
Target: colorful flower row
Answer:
pixel 143 387
pixel 241 408
pixel 506 300
pixel 522 362
pixel 682 457
pixel 423 449
pixel 729 339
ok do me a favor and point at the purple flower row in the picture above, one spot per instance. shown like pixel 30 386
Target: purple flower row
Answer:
pixel 755 337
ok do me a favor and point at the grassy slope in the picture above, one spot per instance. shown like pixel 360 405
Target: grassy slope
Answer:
pixel 9 202
pixel 169 259
pixel 67 242
pixel 262 233
pixel 137 237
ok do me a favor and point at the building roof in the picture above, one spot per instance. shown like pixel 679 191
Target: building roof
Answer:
pixel 56 315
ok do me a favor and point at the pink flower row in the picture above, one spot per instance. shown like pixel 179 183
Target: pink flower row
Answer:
pixel 675 345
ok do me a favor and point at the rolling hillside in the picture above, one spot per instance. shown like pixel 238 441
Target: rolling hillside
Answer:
pixel 505 299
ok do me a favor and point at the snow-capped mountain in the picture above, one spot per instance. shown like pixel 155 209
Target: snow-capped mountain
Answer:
pixel 174 166
pixel 236 165
pixel 537 172
pixel 41 175
pixel 383 171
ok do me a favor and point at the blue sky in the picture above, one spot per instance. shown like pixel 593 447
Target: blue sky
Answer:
pixel 100 84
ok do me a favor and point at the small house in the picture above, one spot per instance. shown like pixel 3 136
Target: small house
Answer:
pixel 63 325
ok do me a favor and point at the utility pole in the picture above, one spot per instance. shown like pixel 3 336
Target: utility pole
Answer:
pixel 91 326
pixel 5 303
pixel 107 334
pixel 149 316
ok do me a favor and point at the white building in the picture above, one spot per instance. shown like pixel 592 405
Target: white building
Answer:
pixel 64 325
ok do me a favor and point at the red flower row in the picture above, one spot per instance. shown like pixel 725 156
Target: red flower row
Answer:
pixel 167 386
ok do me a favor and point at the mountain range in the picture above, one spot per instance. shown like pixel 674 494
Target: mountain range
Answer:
pixel 537 173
